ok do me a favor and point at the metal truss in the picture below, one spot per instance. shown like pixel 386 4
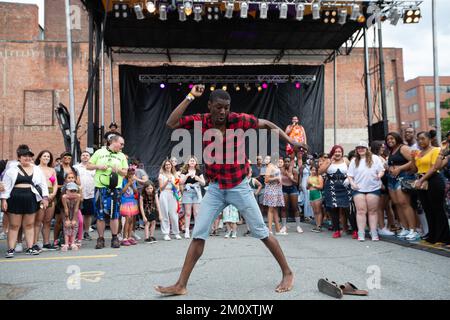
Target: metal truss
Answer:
pixel 233 79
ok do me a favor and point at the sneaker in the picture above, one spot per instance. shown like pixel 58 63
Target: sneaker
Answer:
pixel 281 233
pixel 87 237
pixel 115 243
pixel 9 253
pixel 374 236
pixel 132 241
pixel 48 247
pixel 178 237
pixel 136 237
pixel 283 229
pixel 187 236
pixel 413 236
pixel 361 236
pixel 74 247
pixel 247 233
pixel 299 229
pixel 90 229
pixel 56 243
pixel 64 247
pixel 153 240
pixel 403 233
pixel 167 237
pixel 19 248
pixel 355 235
pixel 31 251
pixel 3 236
pixel 120 237
pixel 233 235
pixel 227 235
pixel 336 234
pixel 125 243
pixel 36 248
pixel 317 229
pixel 385 232
pixel 100 243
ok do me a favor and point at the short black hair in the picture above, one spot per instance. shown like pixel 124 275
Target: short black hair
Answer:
pixel 219 94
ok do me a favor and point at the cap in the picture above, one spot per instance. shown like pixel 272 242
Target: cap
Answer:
pixel 72 186
pixel 363 144
pixel 24 150
pixel 66 154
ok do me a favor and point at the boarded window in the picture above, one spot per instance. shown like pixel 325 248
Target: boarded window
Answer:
pixel 38 110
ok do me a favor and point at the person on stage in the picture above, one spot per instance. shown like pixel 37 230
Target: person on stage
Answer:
pixel 228 182
pixel 297 133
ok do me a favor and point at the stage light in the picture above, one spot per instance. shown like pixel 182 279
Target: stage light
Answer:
pixel 212 87
pixel 259 88
pixel 356 12
pixel 191 85
pixel 162 85
pixel 342 16
pixel 283 11
pixel 297 85
pixel 181 13
pixel 197 13
pixel 163 12
pixel 229 10
pixel 237 87
pixel 188 8
pixel 299 11
pixel 394 16
pixel 244 10
pixel 151 7
pixel 225 87
pixel 263 8
pixel 316 11
pixel 265 85
pixel 138 11
pixel 247 87
pixel 412 15
pixel 330 16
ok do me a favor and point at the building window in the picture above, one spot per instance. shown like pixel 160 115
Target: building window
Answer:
pixel 411 93
pixel 444 89
pixel 413 108
pixel 432 122
pixel 430 105
pixel 415 124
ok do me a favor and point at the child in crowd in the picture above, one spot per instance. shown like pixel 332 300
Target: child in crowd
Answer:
pixel 149 205
pixel 315 185
pixel 71 200
pixel 71 177
pixel 129 206
pixel 230 218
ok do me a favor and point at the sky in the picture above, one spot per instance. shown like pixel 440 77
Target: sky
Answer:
pixel 415 39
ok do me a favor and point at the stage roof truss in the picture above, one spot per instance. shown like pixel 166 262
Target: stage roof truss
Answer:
pixel 225 79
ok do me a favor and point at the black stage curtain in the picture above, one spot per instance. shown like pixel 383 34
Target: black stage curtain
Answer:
pixel 145 108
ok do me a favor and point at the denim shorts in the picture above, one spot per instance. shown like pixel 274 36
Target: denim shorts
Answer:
pixel 190 197
pixel 376 192
pixel 394 183
pixel 103 202
pixel 290 190
pixel 216 199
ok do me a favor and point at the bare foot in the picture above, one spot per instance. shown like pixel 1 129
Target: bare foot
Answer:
pixel 173 290
pixel 286 284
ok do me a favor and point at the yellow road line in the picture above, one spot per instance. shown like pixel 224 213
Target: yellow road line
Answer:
pixel 59 258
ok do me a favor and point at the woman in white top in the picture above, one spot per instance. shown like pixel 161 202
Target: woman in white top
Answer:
pixel 365 173
pixel 168 201
pixel 21 198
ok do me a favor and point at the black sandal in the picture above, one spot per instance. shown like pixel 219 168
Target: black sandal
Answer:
pixel 330 288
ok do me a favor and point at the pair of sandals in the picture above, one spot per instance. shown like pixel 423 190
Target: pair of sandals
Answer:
pixel 334 290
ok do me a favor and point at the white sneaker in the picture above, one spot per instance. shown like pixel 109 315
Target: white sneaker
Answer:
pixel 120 237
pixel 19 248
pixel 281 233
pixel 90 229
pixel 361 236
pixel 3 236
pixel 413 236
pixel 385 232
pixel 136 237
pixel 227 235
pixel 299 229
pixel 374 236
pixel 187 236
pixel 167 237
pixel 403 233
pixel 233 235
pixel 178 237
pixel 283 230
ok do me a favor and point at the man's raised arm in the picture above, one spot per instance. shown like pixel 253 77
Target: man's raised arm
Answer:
pixel 174 119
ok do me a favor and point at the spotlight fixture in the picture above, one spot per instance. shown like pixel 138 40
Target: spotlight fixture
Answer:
pixel 197 13
pixel 224 87
pixel 138 11
pixel 191 85
pixel 229 10
pixel 342 16
pixel 394 16
pixel 259 88
pixel 297 85
pixel 237 87
pixel 162 85
pixel 120 10
pixel 244 10
pixel 151 7
pixel 356 12
pixel 283 10
pixel 316 11
pixel 163 12
pixel 299 11
pixel 412 15
pixel 188 8
pixel 263 8
pixel 181 13
pixel 247 87
pixel 330 16
pixel 212 87
pixel 265 85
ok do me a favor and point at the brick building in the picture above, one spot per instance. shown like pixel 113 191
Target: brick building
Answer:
pixel 418 110
pixel 33 80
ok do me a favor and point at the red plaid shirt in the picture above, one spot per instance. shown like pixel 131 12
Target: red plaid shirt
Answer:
pixel 229 173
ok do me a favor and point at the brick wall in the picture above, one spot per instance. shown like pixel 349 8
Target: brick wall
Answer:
pixel 18 22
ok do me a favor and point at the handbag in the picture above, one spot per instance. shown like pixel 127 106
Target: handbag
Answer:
pixel 38 188
pixel 409 185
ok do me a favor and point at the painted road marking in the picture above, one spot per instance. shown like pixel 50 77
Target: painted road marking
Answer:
pixel 58 258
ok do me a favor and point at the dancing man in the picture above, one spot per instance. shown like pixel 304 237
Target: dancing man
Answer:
pixel 228 182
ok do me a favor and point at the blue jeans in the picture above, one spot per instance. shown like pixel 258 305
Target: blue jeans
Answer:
pixel 215 200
